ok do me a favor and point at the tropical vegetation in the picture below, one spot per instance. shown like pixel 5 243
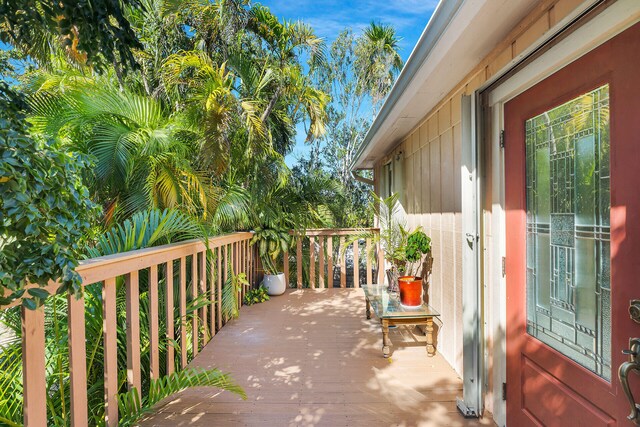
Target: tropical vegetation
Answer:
pixel 127 125
pixel 404 248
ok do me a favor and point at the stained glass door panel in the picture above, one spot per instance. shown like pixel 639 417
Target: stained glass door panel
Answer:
pixel 568 232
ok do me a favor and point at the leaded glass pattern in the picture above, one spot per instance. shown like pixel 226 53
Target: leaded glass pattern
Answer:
pixel 568 233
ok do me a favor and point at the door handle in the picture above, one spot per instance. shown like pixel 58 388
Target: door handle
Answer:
pixel 633 364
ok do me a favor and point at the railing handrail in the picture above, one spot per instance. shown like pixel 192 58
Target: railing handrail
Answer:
pixel 336 231
pixel 232 252
pixel 98 269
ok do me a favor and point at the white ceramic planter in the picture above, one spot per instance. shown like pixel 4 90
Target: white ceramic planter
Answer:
pixel 275 284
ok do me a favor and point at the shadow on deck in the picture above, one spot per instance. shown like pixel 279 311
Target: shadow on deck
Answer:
pixel 311 358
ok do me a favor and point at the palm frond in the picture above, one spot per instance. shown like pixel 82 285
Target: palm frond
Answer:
pixel 132 408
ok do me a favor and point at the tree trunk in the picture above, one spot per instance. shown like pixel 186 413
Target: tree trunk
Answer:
pixel 272 104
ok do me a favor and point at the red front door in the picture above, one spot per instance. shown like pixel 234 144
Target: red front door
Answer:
pixel 572 165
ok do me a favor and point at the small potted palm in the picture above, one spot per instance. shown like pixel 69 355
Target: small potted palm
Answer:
pixel 272 242
pixel 404 250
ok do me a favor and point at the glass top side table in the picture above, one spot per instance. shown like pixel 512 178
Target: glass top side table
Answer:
pixel 387 307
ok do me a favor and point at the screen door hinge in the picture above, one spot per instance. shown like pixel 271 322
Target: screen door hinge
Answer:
pixel 504 266
pixel 502 138
pixel 504 391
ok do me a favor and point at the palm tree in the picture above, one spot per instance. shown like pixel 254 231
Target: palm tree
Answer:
pixel 210 98
pixel 144 229
pixel 142 152
pixel 286 42
pixel 378 61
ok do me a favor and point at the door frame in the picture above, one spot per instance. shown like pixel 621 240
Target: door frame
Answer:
pixel 516 78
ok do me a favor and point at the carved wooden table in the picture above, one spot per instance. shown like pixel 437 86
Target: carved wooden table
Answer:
pixel 388 309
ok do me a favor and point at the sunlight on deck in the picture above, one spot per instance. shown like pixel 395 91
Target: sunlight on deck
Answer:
pixel 311 358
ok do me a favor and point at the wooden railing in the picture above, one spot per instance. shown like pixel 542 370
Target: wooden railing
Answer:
pixel 323 254
pixel 230 253
pixel 182 266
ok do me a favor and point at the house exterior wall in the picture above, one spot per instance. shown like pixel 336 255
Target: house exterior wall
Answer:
pixel 427 172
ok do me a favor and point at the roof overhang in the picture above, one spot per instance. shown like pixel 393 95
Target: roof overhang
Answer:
pixel 459 35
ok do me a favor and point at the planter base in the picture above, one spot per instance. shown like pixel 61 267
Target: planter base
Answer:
pixel 275 284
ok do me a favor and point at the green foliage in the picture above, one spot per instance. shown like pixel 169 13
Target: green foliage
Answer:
pixel 358 74
pixel 132 409
pixel 418 244
pixel 272 242
pixel 145 229
pixel 403 248
pixel 95 32
pixel 256 296
pixel 141 152
pixel 378 61
pixel 45 211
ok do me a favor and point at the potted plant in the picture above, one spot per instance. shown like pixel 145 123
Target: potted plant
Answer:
pixel 410 285
pixel 403 250
pixel 271 243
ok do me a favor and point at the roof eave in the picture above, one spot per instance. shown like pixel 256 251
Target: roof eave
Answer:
pixel 442 16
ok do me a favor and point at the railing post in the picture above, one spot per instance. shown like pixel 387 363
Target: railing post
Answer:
pixel 225 276
pixel 312 262
pixel 368 256
pixel 219 291
pixel 194 295
pixel 343 263
pixel 299 261
pixel 170 321
pixel 109 331
pixel 380 265
pixel 183 312
pixel 356 264
pixel 33 367
pixel 329 262
pixel 202 281
pixel 154 370
pixel 321 262
pixel 245 265
pixel 285 263
pixel 77 362
pixel 212 290
pixel 236 256
pixel 133 331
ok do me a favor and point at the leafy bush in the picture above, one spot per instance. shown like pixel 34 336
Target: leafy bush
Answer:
pixel 132 409
pixel 418 244
pixel 45 210
pixel 271 243
pixel 255 296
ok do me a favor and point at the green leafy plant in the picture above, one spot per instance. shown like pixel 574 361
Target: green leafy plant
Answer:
pixel 46 214
pixel 403 248
pixel 256 296
pixel 418 245
pixel 271 243
pixel 132 409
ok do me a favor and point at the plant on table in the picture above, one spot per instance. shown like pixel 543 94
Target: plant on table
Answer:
pixel 403 248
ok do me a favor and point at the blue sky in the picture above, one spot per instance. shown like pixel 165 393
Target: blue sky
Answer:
pixel 329 17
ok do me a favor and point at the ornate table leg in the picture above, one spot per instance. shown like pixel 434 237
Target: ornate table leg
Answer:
pixel 431 349
pixel 368 308
pixel 385 338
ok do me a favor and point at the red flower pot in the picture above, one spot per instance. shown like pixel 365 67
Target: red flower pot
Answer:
pixel 410 291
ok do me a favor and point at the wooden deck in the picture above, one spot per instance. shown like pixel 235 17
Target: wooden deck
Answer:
pixel 310 358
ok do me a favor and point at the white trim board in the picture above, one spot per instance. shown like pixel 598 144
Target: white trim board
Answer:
pixel 607 24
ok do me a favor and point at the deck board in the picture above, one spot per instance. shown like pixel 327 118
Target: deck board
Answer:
pixel 311 358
